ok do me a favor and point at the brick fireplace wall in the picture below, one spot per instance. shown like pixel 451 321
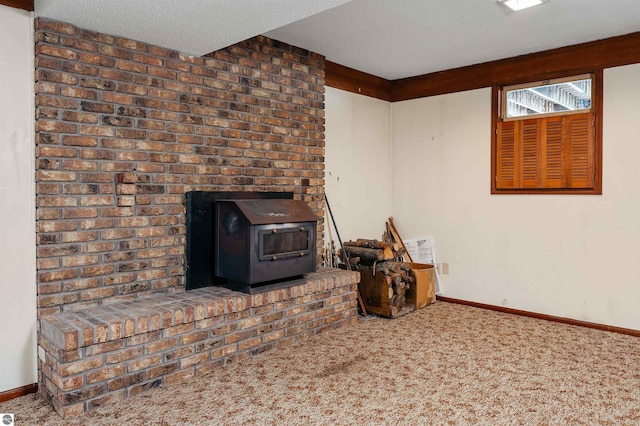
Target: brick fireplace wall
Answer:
pixel 124 129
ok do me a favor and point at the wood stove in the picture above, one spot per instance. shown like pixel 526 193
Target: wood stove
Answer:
pixel 259 241
pixel 248 242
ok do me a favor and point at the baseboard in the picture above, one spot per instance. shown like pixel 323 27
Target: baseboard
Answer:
pixel 602 327
pixel 21 391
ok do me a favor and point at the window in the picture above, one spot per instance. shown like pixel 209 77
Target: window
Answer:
pixel 547 137
pixel 558 96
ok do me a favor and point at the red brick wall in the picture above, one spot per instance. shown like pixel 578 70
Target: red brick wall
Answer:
pixel 124 129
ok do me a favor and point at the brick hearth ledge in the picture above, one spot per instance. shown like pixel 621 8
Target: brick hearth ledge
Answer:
pixel 107 353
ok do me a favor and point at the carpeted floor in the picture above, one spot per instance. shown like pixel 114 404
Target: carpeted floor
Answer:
pixel 446 364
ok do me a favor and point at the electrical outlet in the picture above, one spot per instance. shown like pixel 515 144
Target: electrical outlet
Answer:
pixel 445 268
pixel 41 354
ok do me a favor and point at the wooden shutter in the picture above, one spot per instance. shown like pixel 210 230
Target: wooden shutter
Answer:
pixel 506 155
pixel 552 152
pixel 546 153
pixel 580 143
pixel 530 170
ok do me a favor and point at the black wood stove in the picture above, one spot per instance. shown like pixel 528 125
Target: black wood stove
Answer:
pixel 248 242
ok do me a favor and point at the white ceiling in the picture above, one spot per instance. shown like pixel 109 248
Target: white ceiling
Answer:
pixel 195 27
pixel 388 38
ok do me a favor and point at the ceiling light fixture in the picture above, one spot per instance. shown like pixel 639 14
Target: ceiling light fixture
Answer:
pixel 517 5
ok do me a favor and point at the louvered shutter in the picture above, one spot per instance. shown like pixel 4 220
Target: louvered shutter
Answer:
pixel 546 153
pixel 552 153
pixel 530 170
pixel 580 141
pixel 506 156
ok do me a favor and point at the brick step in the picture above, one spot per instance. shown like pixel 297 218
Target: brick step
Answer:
pixel 105 323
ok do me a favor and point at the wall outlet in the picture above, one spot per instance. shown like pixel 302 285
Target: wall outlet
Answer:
pixel 445 268
pixel 41 354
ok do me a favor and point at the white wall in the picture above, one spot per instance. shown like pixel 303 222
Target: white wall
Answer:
pixel 357 163
pixel 17 202
pixel 573 256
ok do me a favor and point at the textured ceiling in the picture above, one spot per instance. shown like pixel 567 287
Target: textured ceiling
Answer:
pixel 388 38
pixel 401 38
pixel 195 27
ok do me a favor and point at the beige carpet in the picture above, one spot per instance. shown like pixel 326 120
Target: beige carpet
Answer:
pixel 446 364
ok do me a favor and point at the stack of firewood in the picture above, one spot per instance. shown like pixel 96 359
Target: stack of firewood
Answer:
pixel 384 258
pixel 399 280
pixel 372 251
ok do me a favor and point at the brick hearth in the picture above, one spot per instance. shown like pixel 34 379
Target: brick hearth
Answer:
pixel 104 354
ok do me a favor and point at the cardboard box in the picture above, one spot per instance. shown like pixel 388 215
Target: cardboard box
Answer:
pixel 423 292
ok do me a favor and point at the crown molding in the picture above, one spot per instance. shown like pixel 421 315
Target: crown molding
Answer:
pixel 344 78
pixel 19 4
pixel 569 60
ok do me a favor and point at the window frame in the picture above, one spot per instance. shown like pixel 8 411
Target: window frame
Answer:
pixel 596 110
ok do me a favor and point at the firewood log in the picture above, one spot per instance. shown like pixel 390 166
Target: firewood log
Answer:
pixel 397 279
pixel 392 267
pixel 361 242
pixel 397 266
pixel 388 253
pixel 393 311
pixel 397 302
pixel 382 268
pixel 401 252
pixel 364 253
